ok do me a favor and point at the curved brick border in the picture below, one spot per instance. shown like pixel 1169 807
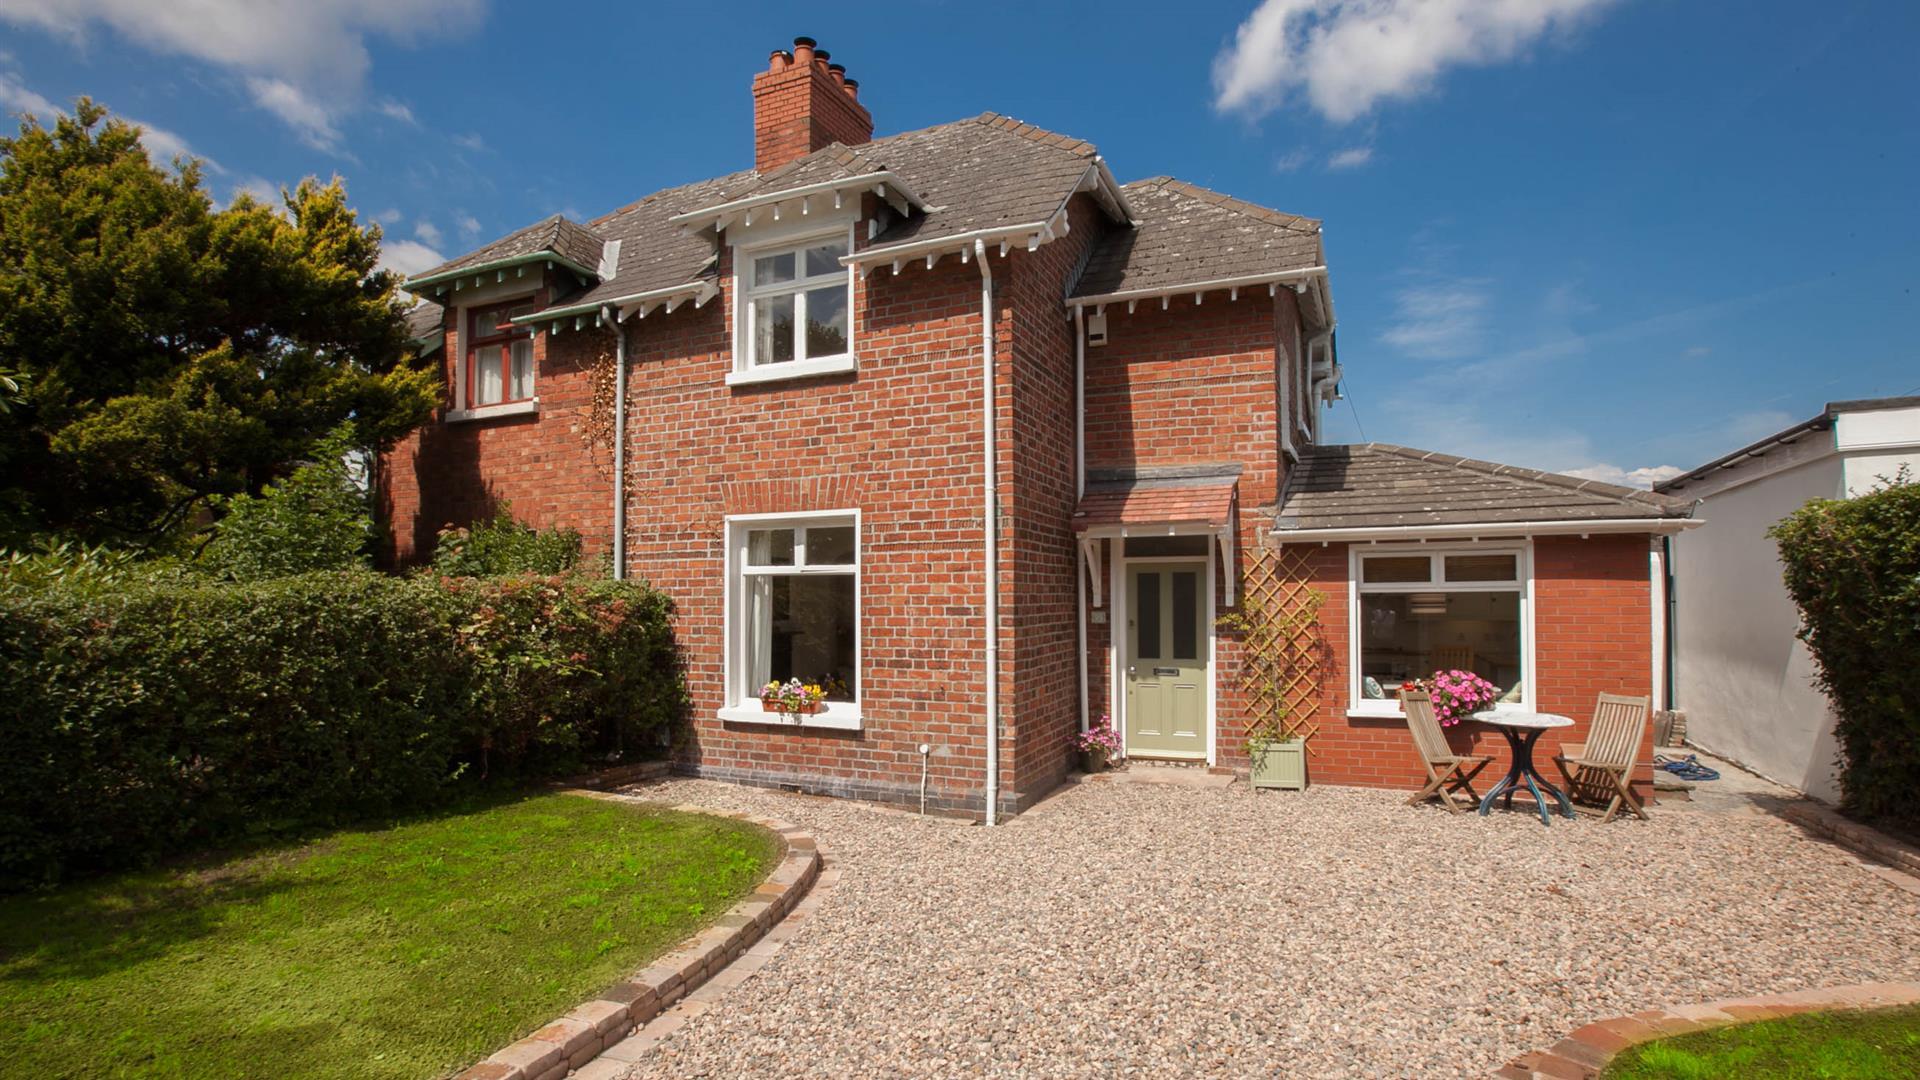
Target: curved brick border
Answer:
pixel 1585 1051
pixel 1860 839
pixel 578 1037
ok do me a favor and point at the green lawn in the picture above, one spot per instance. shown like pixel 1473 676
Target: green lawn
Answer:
pixel 1878 1045
pixel 409 951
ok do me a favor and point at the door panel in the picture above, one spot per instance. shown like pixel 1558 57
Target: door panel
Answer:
pixel 1166 661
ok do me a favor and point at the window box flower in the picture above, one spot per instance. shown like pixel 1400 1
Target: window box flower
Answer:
pixel 1098 745
pixel 793 698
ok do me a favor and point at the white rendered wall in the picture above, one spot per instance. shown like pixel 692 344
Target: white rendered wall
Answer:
pixel 1743 678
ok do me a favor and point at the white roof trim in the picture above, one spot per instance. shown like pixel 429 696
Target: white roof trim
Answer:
pixel 721 216
pixel 700 290
pixel 1476 530
pixel 1311 274
pixel 1029 236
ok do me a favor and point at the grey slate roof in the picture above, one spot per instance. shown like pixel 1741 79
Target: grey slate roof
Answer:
pixel 988 172
pixel 1188 234
pixel 1374 485
pixel 569 240
pixel 424 319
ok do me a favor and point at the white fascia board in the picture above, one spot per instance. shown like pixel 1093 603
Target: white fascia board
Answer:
pixel 943 244
pixel 1308 274
pixel 1157 528
pixel 711 215
pixel 691 288
pixel 1476 530
pixel 414 285
pixel 1113 189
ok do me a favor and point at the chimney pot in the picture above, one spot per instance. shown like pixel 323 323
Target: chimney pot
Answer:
pixel 820 58
pixel 839 73
pixel 803 52
pixel 802 103
pixel 778 62
pixel 852 87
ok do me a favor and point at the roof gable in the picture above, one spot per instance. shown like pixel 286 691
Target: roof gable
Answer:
pixel 1187 235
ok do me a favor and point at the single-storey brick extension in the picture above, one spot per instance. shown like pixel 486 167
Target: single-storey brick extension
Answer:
pixel 772 394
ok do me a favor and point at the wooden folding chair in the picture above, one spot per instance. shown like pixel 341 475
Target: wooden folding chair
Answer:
pixel 1603 763
pixel 1446 771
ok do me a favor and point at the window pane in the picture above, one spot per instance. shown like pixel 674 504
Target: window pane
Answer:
pixel 1146 620
pixel 827 321
pixel 773 330
pixel 1478 632
pixel 1396 568
pixel 1153 547
pixel 825 259
pixel 810 633
pixel 770 547
pixel 830 545
pixel 487 385
pixel 1186 620
pixel 1482 568
pixel 773 269
pixel 521 381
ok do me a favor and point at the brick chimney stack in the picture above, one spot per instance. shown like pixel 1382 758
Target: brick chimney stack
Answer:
pixel 801 103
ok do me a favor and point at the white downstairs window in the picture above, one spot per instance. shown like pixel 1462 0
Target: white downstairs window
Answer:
pixel 795 310
pixel 794 613
pixel 1418 612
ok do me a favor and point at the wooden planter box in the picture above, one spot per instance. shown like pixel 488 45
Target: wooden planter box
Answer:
pixel 772 706
pixel 1281 765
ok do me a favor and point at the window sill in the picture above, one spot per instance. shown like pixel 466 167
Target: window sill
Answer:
pixel 795 369
pixel 839 716
pixel 1390 710
pixel 488 412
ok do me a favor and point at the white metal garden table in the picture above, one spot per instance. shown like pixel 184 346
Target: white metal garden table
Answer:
pixel 1522 730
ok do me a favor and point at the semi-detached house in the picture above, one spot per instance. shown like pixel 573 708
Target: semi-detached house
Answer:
pixel 925 418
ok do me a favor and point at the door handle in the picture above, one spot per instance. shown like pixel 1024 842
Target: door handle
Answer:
pixel 1132 672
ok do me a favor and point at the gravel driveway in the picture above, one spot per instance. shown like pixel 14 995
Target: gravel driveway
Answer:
pixel 1160 930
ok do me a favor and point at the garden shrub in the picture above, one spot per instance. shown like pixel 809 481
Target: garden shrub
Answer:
pixel 166 716
pixel 318 518
pixel 1853 567
pixel 505 546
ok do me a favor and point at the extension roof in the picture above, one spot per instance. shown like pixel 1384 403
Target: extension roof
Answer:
pixel 1187 234
pixel 1376 485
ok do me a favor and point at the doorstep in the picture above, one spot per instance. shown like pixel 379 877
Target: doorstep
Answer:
pixel 1181 774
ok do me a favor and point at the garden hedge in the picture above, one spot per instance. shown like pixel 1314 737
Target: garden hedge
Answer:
pixel 159 717
pixel 1853 567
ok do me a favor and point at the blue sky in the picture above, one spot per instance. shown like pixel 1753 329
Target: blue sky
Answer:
pixel 1596 235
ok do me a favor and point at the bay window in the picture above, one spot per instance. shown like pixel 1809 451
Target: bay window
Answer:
pixel 794 613
pixel 1417 612
pixel 795 316
pixel 499 356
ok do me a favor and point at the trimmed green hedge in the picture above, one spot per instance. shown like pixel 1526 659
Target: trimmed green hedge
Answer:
pixel 1853 567
pixel 160 717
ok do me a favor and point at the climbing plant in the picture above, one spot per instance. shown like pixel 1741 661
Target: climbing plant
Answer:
pixel 1282 650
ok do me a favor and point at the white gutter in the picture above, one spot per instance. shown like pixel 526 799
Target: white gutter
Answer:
pixel 1031 234
pixel 1245 281
pixel 878 181
pixel 691 288
pixel 619 444
pixel 1476 530
pixel 1079 492
pixel 990 529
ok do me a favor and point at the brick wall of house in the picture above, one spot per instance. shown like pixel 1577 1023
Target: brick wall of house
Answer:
pixel 1193 384
pixel 1592 634
pixel 539 464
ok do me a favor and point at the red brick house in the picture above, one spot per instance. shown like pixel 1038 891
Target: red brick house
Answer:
pixel 773 395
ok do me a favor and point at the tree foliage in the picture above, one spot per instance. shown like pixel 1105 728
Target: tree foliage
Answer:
pixel 316 519
pixel 505 546
pixel 1853 567
pixel 173 352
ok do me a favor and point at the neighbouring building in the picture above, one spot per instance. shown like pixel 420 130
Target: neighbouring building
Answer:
pixel 1743 677
pixel 925 418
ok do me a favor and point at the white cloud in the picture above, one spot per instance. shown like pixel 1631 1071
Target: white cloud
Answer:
pixel 262 189
pixel 407 257
pixel 1291 160
pixel 1443 320
pixel 470 142
pixel 395 110
pixel 1699 350
pixel 305 61
pixel 1644 477
pixel 1347 56
pixel 312 121
pixel 389 216
pixel 427 231
pixel 17 98
pixel 164 146
pixel 1351 158
pixel 469 225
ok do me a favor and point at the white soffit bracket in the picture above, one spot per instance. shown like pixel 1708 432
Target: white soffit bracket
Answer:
pixel 1090 546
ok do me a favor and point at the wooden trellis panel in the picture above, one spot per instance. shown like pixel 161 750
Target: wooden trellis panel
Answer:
pixel 1284 652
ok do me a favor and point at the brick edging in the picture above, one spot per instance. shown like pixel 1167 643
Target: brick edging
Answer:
pixel 578 1037
pixel 1861 839
pixel 1586 1050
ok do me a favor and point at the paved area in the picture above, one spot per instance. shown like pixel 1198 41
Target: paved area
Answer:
pixel 1165 930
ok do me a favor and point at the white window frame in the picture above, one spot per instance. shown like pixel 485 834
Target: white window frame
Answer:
pixel 743 701
pixel 746 295
pixel 1522 550
pixel 512 292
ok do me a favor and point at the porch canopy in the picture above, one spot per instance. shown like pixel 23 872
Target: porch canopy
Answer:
pixel 1167 501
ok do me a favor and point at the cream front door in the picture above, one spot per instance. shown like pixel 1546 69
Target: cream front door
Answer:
pixel 1166 659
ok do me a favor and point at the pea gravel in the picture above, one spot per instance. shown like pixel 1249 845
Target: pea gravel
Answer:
pixel 1162 930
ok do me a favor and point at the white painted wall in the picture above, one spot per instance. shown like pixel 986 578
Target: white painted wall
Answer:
pixel 1744 679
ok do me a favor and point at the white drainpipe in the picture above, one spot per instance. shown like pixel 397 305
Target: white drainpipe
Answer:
pixel 990 529
pixel 619 442
pixel 1079 492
